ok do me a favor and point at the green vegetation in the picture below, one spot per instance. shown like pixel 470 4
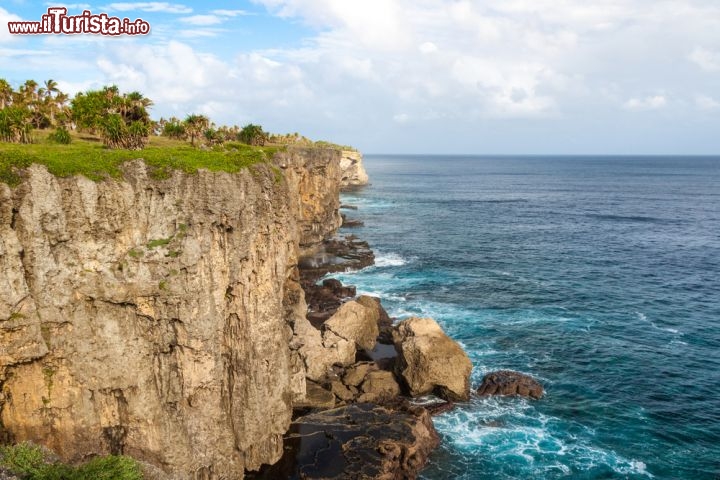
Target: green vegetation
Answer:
pixel 60 135
pixel 87 156
pixel 96 131
pixel 31 462
pixel 253 135
pixel 160 242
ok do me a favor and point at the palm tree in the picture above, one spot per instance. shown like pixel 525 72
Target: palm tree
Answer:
pixel 51 87
pixel 195 125
pixel 29 90
pixel 6 93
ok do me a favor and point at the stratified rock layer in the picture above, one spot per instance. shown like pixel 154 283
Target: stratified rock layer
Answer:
pixel 154 317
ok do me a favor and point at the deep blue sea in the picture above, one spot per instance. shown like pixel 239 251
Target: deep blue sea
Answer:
pixel 600 276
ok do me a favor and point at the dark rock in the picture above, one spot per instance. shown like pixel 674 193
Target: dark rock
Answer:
pixel 438 408
pixel 351 223
pixel 508 382
pixel 338 289
pixel 356 441
pixel 348 207
pixel 335 255
pixel 324 300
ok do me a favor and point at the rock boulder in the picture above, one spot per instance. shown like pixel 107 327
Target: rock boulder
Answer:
pixel 431 362
pixel 508 382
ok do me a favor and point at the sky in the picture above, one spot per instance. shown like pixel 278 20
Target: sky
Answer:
pixel 409 76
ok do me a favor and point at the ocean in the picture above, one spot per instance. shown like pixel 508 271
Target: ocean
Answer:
pixel 599 276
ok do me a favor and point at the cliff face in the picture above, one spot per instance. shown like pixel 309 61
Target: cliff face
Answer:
pixel 155 318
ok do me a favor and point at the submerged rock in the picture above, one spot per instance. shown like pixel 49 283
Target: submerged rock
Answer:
pixel 508 382
pixel 431 362
pixel 357 441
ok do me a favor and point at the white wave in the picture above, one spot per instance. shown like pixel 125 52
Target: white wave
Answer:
pixel 516 431
pixel 644 318
pixel 389 260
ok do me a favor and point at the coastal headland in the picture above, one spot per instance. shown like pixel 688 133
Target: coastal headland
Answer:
pixel 188 321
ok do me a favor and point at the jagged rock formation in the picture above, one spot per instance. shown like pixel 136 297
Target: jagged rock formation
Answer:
pixel 508 382
pixel 353 171
pixel 430 361
pixel 154 317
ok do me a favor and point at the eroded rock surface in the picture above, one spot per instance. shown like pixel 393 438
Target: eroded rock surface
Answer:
pixel 360 441
pixel 154 317
pixel 353 171
pixel 508 382
pixel 431 362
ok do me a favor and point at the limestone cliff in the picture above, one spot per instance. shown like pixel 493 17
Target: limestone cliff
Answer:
pixel 353 171
pixel 154 317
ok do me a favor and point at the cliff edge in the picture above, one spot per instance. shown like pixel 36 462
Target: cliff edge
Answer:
pixel 154 318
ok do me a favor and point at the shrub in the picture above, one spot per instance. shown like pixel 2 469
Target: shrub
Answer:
pixel 60 135
pixel 31 462
pixel 252 135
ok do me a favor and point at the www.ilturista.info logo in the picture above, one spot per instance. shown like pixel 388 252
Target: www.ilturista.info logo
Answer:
pixel 57 21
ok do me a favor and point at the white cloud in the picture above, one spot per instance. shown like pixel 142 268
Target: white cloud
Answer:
pixel 430 65
pixel 70 6
pixel 6 17
pixel 648 103
pixel 202 20
pixel 707 60
pixel 200 32
pixel 704 102
pixel 163 7
pixel 231 13
pixel 21 52
pixel 428 47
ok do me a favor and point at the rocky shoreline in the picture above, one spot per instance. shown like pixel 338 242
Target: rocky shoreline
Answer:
pixel 188 322
pixel 359 420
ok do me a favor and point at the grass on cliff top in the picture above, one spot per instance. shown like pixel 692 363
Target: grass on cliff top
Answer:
pixel 32 462
pixel 87 156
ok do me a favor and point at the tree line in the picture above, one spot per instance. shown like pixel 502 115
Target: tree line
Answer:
pixel 122 120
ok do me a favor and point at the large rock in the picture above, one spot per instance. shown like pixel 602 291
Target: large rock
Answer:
pixel 508 382
pixel 385 323
pixel 356 324
pixel 353 326
pixel 379 386
pixel 431 362
pixel 353 171
pixel 360 441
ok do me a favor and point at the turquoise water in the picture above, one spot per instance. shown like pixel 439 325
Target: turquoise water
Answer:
pixel 599 276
